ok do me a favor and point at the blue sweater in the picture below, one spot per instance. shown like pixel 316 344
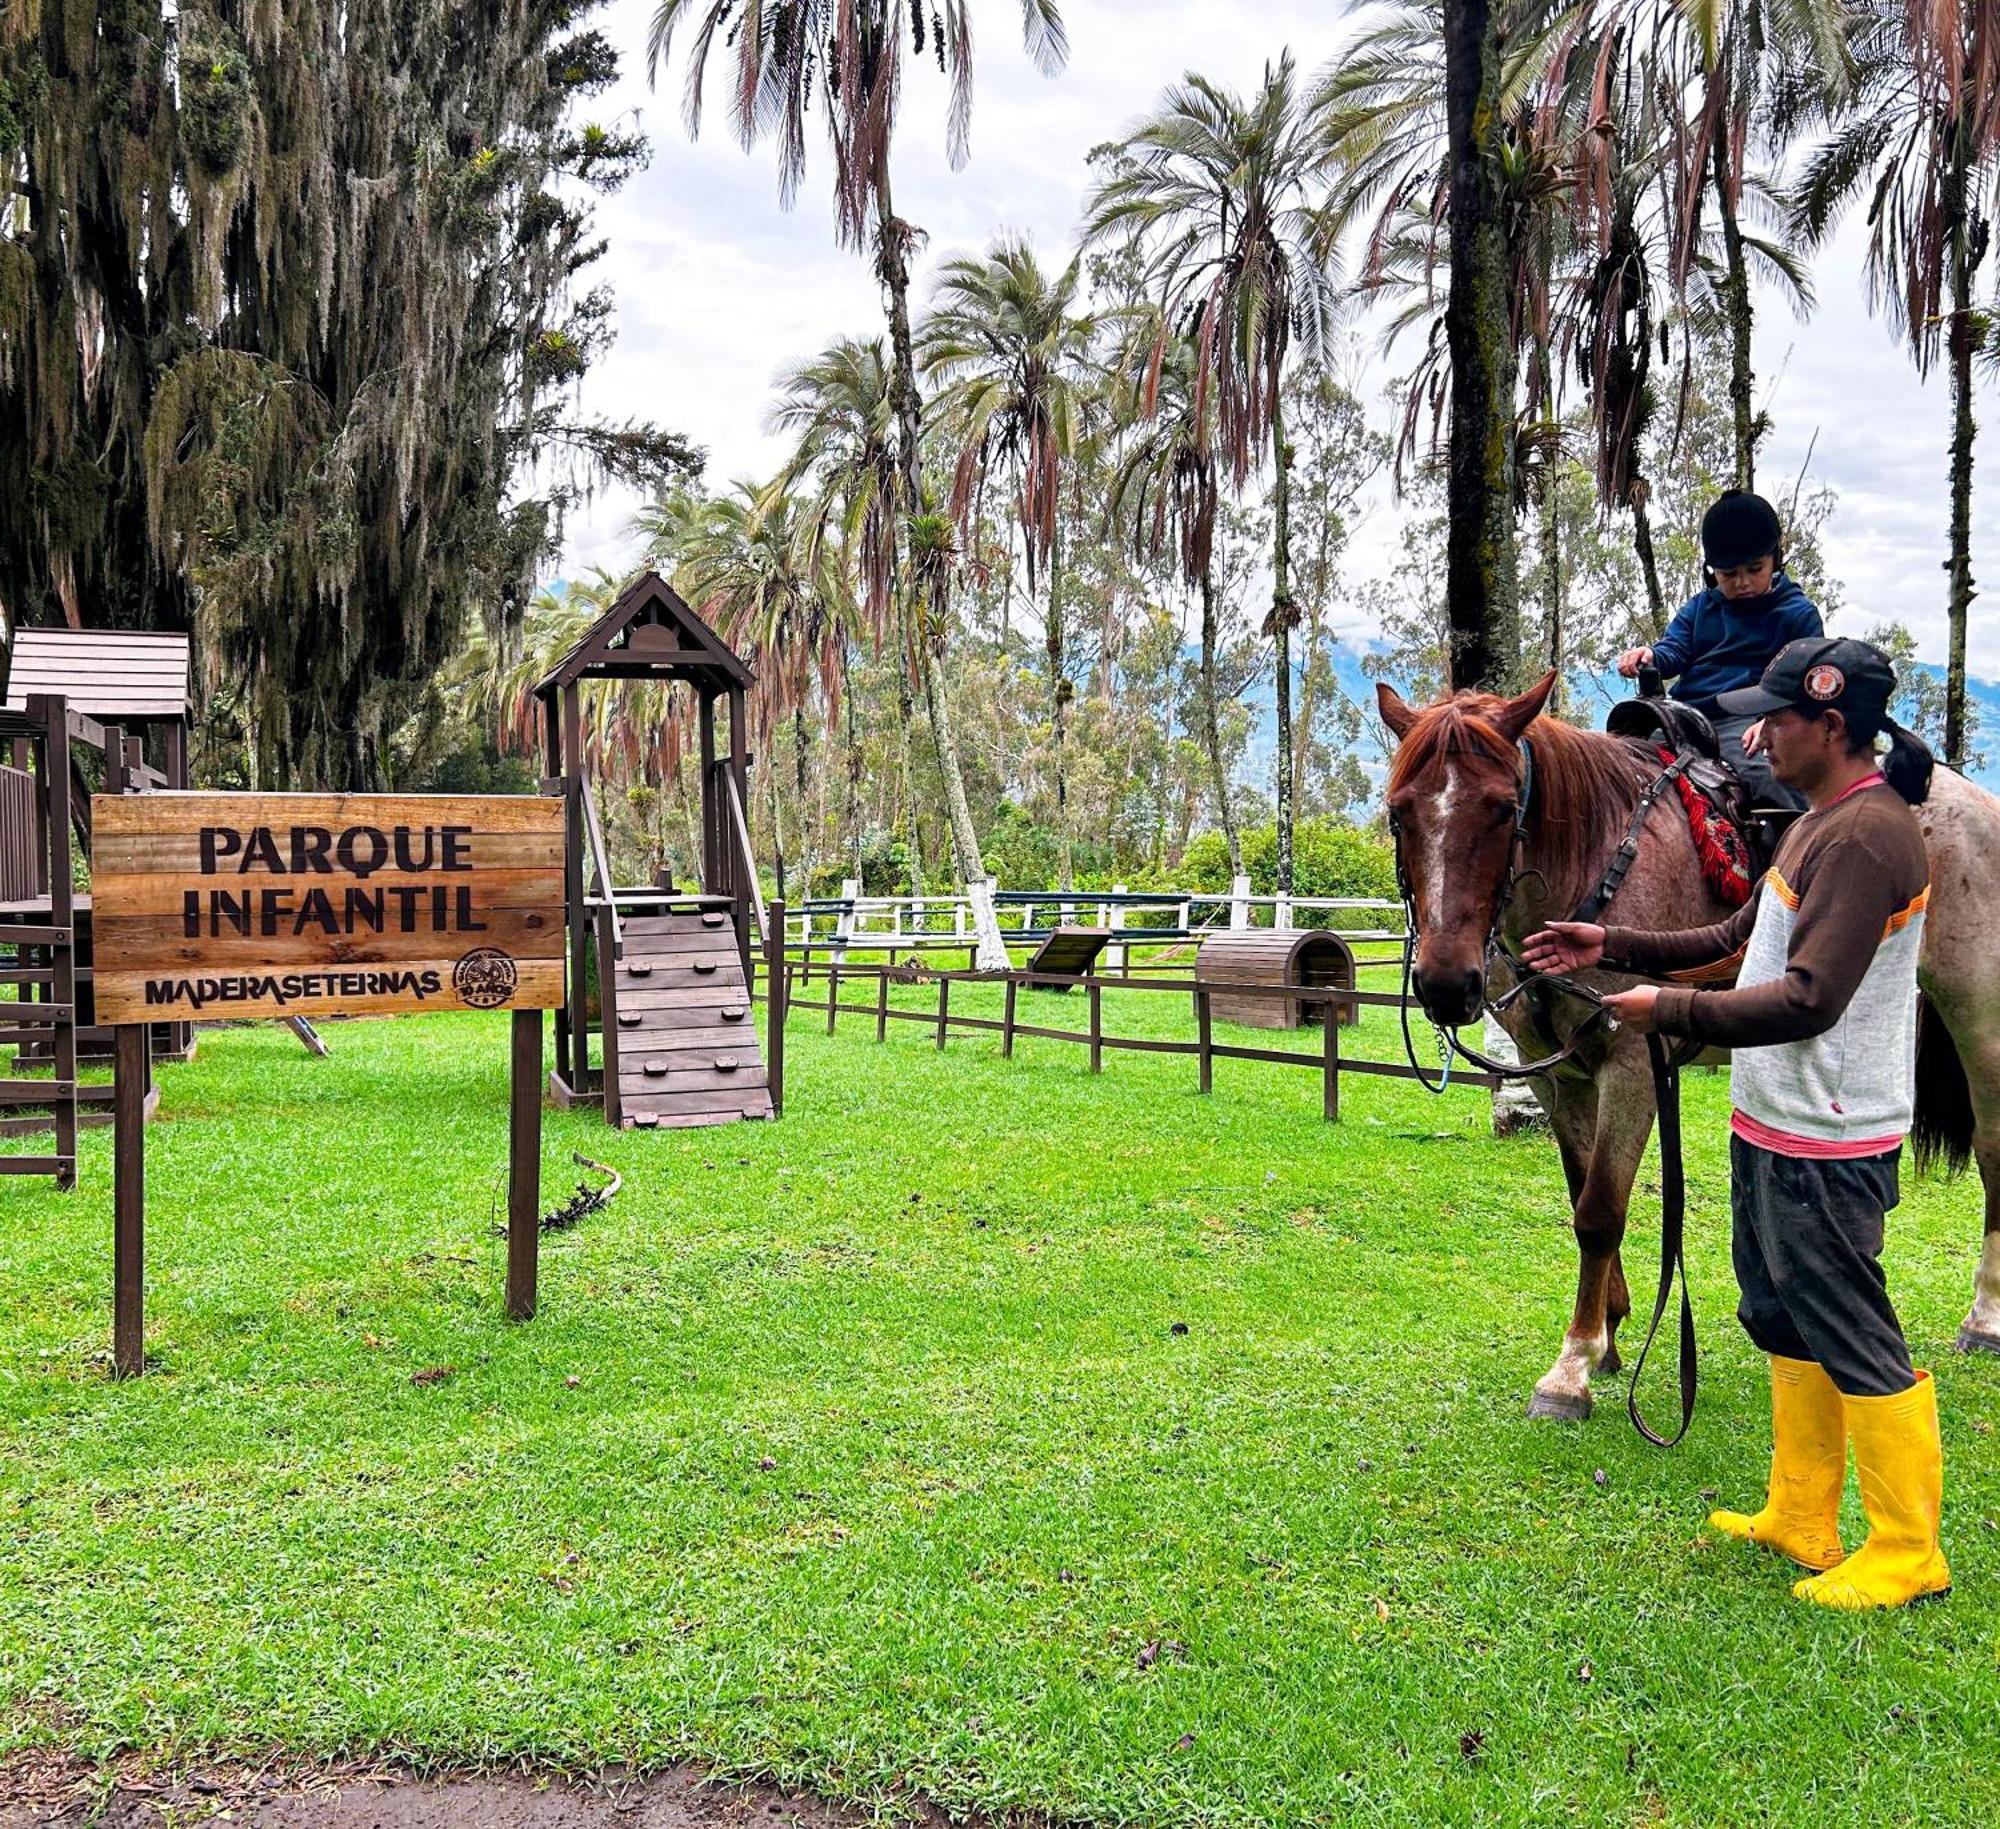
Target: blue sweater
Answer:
pixel 1714 646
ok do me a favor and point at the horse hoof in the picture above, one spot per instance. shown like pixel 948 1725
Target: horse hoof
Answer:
pixel 1971 1340
pixel 1610 1365
pixel 1556 1407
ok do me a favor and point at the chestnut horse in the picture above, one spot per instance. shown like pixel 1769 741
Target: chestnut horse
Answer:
pixel 1484 871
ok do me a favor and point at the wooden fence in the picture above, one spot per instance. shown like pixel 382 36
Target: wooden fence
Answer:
pixel 1330 1060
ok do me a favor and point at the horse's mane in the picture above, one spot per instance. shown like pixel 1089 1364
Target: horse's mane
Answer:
pixel 1586 784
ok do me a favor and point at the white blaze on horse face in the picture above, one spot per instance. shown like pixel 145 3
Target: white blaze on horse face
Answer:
pixel 1431 914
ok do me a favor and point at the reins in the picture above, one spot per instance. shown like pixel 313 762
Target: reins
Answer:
pixel 1666 1075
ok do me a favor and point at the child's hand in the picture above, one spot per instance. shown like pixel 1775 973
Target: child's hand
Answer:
pixel 1753 738
pixel 1632 660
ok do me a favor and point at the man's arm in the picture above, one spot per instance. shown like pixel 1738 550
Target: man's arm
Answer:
pixel 1692 949
pixel 1842 913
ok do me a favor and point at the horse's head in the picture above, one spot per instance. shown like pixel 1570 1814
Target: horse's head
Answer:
pixel 1454 791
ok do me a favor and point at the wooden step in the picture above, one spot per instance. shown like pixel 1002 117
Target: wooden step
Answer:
pixel 710 1038
pixel 58 1166
pixel 36 1092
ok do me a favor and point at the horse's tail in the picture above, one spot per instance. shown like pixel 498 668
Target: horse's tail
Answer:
pixel 1943 1129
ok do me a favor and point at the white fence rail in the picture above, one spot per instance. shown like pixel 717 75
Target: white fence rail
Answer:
pixel 883 921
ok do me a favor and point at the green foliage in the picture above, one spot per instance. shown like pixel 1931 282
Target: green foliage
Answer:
pixel 217 95
pixel 1332 858
pixel 472 764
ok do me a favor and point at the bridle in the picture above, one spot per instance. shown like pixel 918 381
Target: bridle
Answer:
pixel 1665 1071
pixel 1525 975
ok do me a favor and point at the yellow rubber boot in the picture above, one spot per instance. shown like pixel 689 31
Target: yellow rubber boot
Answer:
pixel 1899 1458
pixel 1801 1518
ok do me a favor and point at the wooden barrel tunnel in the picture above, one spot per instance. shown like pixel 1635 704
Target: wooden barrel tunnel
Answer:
pixel 1308 957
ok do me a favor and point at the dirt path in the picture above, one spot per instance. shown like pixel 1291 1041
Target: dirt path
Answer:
pixel 54 1792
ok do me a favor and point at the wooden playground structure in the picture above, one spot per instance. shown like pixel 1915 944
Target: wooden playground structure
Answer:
pixel 659 975
pixel 76 699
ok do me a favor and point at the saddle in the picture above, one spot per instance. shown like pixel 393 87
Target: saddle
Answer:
pixel 1717 799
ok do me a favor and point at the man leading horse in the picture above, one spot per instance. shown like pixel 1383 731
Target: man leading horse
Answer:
pixel 1823 1022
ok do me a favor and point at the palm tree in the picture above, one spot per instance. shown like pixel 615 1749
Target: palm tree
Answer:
pixel 750 562
pixel 1223 194
pixel 1016 363
pixel 636 733
pixel 848 54
pixel 838 409
pixel 1741 51
pixel 1167 489
pixel 1920 137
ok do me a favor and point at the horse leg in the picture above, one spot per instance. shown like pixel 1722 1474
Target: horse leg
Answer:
pixel 1602 1133
pixel 1617 1305
pixel 1981 1330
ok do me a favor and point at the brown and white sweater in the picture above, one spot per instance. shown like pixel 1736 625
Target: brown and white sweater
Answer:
pixel 1824 955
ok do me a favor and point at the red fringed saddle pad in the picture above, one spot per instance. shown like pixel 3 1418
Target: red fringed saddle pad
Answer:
pixel 1725 858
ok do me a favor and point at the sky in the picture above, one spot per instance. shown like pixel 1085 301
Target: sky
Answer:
pixel 718 288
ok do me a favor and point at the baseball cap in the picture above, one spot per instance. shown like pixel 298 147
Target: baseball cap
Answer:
pixel 1821 673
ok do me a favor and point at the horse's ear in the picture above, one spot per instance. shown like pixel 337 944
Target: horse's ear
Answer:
pixel 1517 714
pixel 1397 715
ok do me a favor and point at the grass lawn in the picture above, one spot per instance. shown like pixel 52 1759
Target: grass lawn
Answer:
pixel 983 1430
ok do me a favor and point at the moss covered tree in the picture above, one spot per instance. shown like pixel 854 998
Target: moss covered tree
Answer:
pixel 289 307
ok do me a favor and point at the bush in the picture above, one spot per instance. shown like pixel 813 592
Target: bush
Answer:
pixel 1329 858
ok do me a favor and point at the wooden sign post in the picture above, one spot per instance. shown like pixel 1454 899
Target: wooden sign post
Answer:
pixel 323 905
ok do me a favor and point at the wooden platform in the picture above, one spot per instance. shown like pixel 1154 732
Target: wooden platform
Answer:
pixel 1070 952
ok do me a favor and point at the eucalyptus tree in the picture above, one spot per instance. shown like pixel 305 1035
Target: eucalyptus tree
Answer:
pixel 1919 138
pixel 286 313
pixel 1167 495
pixel 1222 193
pixel 1015 365
pixel 848 55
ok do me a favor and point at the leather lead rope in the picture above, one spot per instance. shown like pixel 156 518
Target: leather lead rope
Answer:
pixel 1673 1253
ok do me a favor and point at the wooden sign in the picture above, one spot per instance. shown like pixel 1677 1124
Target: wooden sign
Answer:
pixel 225 905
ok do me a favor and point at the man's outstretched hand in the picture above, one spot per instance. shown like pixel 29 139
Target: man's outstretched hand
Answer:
pixel 1565 946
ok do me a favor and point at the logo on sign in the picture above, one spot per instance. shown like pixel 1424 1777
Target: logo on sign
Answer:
pixel 485 978
pixel 1825 683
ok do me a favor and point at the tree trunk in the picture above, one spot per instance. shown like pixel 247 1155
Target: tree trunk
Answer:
pixel 1958 609
pixel 1551 505
pixel 1642 544
pixel 1281 637
pixel 802 781
pixel 1211 719
pixel 894 269
pixel 1059 716
pixel 1313 621
pixel 1480 583
pixel 944 740
pixel 777 830
pixel 1739 313
pixel 853 762
pixel 906 709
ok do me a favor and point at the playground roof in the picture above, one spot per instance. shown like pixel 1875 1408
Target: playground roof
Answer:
pixel 649 633
pixel 116 674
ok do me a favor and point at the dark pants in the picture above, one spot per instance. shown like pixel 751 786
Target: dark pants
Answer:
pixel 1766 790
pixel 1807 1241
